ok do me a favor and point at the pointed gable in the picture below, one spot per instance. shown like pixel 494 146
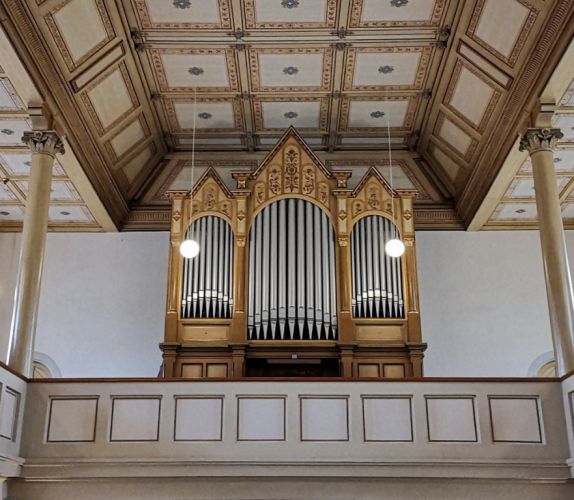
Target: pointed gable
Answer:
pixel 292 168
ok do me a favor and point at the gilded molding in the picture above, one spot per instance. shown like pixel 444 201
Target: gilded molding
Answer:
pixel 43 142
pixel 540 139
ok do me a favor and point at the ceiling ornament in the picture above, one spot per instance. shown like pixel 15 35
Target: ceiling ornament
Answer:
pixel 204 116
pixel 399 3
pixel 195 71
pixel 377 114
pixel 182 4
pixel 290 70
pixel 291 115
pixel 386 69
pixel 290 4
pixel 7 131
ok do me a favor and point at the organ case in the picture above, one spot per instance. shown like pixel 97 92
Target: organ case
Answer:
pixel 292 278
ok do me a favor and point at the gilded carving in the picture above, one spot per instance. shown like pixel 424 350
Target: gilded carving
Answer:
pixel 358 208
pixel 176 215
pixel 342 214
pixel 324 193
pixel 537 139
pixel 225 208
pixel 274 180
pixel 292 160
pixel 408 215
pixel 47 142
pixel 373 198
pixel 241 216
pixel 259 193
pixel 308 180
pixel 209 199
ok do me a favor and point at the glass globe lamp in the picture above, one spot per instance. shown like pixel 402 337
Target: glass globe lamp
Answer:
pixel 394 248
pixel 189 249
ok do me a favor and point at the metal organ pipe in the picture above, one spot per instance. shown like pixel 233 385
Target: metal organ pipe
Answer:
pixel 292 287
pixel 376 278
pixel 207 279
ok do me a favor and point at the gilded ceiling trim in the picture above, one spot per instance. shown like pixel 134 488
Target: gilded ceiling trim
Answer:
pixel 61 42
pixel 323 112
pixel 456 155
pixel 557 33
pixel 230 65
pixel 518 44
pixel 251 18
pixel 85 98
pixel 147 23
pixel 6 84
pixel 326 70
pixel 488 111
pixel 357 13
pixel 168 104
pixel 147 134
pixel 424 62
pixel 408 121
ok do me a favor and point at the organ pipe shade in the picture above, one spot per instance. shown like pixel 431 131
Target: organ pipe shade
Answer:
pixel 292 289
pixel 207 283
pixel 377 278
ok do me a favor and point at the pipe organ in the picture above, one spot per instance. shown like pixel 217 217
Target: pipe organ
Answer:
pixel 377 278
pixel 292 292
pixel 292 278
pixel 207 279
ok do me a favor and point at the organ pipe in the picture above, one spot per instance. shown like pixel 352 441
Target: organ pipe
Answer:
pixel 207 281
pixel 292 273
pixel 376 278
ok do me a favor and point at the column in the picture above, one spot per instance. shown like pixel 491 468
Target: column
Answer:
pixel 43 146
pixel 540 142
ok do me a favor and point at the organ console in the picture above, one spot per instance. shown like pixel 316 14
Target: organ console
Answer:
pixel 292 278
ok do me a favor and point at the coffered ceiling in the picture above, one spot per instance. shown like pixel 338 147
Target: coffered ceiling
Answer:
pixel 446 83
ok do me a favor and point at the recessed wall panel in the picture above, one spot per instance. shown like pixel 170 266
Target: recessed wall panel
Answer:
pixel 324 418
pixel 72 420
pixel 451 419
pixel 135 419
pixel 387 418
pixel 198 419
pixel 515 420
pixel 261 419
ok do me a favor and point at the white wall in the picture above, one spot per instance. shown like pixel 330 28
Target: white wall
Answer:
pixel 483 302
pixel 102 304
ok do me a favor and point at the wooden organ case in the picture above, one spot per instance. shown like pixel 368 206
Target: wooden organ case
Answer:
pixel 292 278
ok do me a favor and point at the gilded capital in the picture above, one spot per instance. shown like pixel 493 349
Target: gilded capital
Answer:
pixel 44 141
pixel 539 139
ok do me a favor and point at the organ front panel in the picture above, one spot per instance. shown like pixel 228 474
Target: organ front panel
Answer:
pixel 292 278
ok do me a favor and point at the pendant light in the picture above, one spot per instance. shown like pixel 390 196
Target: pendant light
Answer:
pixel 394 247
pixel 190 247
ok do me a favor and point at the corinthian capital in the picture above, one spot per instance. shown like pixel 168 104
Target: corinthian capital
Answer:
pixel 537 139
pixel 45 141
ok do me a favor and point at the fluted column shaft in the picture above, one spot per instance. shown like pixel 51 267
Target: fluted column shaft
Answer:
pixel 540 143
pixel 43 145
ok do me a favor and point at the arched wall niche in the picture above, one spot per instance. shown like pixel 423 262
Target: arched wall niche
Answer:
pixel 292 174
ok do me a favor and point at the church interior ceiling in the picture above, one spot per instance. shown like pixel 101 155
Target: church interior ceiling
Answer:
pixel 126 79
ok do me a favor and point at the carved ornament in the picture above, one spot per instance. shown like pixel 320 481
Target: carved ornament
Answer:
pixel 46 141
pixel 540 139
